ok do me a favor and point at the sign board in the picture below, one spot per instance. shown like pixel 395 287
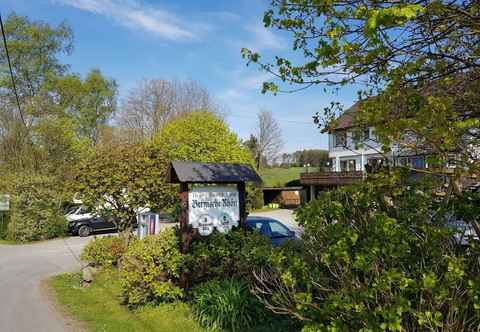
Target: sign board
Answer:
pixel 4 202
pixel 212 208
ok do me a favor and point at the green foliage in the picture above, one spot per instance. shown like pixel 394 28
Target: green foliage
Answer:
pixel 226 305
pixel 254 198
pixel 97 307
pixel 235 254
pixel 36 212
pixel 118 180
pixel 375 257
pixel 4 220
pixel 150 270
pixel 104 251
pixel 201 136
pixel 88 102
pixel 423 70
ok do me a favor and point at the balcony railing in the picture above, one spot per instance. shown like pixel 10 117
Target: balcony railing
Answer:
pixel 331 178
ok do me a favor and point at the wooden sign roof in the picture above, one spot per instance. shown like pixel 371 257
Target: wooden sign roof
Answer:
pixel 196 172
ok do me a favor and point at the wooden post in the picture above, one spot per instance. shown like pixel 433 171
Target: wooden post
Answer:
pixel 242 207
pixel 184 227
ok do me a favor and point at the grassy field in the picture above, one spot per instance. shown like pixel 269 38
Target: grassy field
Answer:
pixel 278 177
pixel 98 308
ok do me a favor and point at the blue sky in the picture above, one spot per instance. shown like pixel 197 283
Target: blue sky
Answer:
pixel 130 40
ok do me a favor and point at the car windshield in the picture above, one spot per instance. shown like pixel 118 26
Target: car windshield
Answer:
pixel 278 230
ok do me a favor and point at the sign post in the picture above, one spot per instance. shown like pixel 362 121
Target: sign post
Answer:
pixel 219 204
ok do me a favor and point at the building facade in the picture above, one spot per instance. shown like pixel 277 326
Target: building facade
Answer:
pixel 352 151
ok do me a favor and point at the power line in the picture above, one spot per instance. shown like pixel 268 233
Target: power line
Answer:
pixel 11 72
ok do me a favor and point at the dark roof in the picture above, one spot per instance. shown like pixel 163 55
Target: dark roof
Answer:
pixel 344 121
pixel 191 172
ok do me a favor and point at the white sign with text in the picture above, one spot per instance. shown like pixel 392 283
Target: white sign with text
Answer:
pixel 212 208
pixel 4 202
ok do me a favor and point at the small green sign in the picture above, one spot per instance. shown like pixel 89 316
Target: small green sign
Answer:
pixel 4 202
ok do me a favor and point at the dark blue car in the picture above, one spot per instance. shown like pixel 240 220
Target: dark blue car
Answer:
pixel 274 229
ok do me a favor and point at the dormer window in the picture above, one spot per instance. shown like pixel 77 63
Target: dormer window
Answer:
pixel 340 139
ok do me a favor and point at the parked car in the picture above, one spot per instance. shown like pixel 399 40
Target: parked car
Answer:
pixel 86 226
pixel 464 232
pixel 271 228
pixel 79 212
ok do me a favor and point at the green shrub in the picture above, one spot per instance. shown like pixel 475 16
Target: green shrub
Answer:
pixel 36 212
pixel 151 268
pixel 4 221
pixel 254 199
pixel 103 252
pixel 375 257
pixel 235 254
pixel 226 305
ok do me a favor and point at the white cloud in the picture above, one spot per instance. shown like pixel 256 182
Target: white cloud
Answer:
pixel 135 15
pixel 245 85
pixel 264 39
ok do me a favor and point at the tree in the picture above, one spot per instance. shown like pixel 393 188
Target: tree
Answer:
pixel 421 59
pixel 267 141
pixel 200 136
pixel 153 103
pixel 88 102
pixel 377 41
pixel 34 48
pixel 116 181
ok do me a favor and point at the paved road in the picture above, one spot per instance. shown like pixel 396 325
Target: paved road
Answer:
pixel 285 216
pixel 23 305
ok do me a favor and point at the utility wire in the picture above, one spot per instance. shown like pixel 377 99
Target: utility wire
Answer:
pixel 11 73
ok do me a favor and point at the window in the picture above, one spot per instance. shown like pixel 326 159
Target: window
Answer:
pixel 417 162
pixel 278 230
pixel 366 134
pixel 352 164
pixel 340 139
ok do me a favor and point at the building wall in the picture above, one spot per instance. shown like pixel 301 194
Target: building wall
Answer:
pixel 355 153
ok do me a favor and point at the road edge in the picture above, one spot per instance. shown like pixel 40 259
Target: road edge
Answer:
pixel 49 295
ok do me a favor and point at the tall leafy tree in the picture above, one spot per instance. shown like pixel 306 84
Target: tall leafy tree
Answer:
pixel 34 48
pixel 421 58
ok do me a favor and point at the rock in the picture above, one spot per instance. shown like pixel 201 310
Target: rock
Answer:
pixel 87 276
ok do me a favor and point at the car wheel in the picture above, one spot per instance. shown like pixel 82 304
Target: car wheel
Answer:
pixel 84 230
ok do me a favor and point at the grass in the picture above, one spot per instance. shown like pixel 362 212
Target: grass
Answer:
pixel 7 242
pixel 279 177
pixel 98 307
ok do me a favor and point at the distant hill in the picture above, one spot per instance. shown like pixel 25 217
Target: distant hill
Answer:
pixel 280 177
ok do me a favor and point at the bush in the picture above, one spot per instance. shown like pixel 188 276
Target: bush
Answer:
pixel 375 258
pixel 4 221
pixel 226 305
pixel 150 269
pixel 254 199
pixel 235 254
pixel 36 210
pixel 103 252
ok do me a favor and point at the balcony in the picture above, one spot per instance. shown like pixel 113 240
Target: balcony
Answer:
pixel 331 178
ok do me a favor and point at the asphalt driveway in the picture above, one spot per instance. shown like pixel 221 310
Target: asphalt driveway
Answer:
pixel 23 304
